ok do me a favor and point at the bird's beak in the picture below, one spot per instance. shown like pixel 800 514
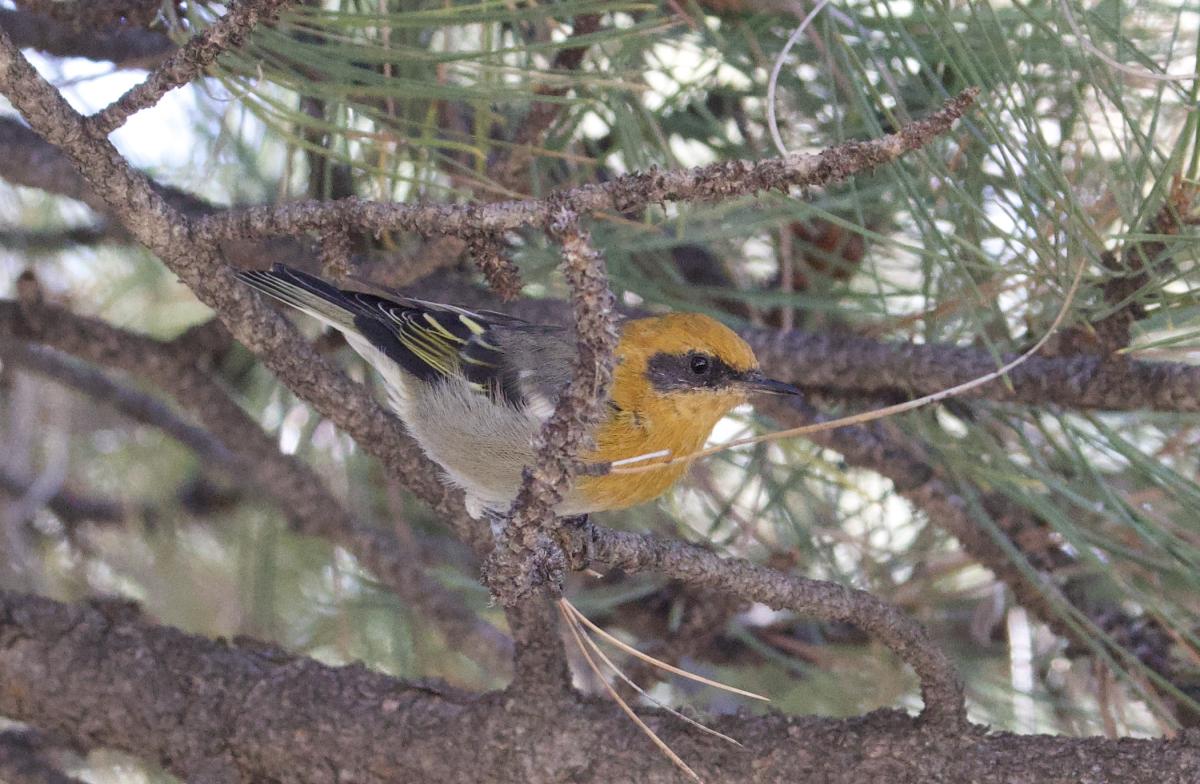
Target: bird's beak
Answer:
pixel 755 381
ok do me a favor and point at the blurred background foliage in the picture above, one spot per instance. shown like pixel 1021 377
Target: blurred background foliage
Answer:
pixel 1067 160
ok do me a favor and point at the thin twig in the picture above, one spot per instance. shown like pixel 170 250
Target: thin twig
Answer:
pixel 523 559
pixel 188 63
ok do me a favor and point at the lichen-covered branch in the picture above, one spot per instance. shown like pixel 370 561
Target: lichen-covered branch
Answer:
pixel 525 559
pixel 718 181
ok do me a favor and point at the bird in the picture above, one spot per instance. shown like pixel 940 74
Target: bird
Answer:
pixel 473 387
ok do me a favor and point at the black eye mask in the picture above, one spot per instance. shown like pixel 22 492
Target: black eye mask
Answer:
pixel 691 371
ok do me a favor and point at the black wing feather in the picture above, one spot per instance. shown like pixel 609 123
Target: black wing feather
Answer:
pixel 428 340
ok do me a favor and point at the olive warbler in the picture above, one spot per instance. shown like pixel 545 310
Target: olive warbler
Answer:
pixel 474 387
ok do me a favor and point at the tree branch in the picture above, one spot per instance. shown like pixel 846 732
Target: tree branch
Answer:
pixel 96 14
pixel 842 362
pixel 124 47
pixel 714 182
pixel 814 360
pixel 251 457
pixel 208 712
pixel 133 403
pixel 523 559
pixel 592 545
pixel 188 63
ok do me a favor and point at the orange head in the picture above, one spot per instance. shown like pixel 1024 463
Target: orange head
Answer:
pixel 676 376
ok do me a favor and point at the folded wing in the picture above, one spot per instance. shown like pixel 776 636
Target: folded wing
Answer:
pixel 430 341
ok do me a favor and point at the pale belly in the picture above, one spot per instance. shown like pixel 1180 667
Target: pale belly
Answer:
pixel 482 448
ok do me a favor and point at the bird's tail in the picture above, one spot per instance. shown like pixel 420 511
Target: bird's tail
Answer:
pixel 307 293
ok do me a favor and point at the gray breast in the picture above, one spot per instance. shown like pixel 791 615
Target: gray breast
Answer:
pixel 480 444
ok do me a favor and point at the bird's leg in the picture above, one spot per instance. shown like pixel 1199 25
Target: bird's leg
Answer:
pixel 477 510
pixel 497 519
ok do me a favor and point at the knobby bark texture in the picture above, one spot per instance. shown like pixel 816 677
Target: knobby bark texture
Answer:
pixel 525 558
pixel 213 711
pixel 526 564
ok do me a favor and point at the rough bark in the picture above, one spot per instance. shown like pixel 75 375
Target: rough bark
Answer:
pixel 211 711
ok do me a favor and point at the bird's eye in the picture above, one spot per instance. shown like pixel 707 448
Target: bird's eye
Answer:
pixel 699 364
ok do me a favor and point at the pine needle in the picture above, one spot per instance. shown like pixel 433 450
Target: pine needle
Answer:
pixel 620 674
pixel 662 665
pixel 577 633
